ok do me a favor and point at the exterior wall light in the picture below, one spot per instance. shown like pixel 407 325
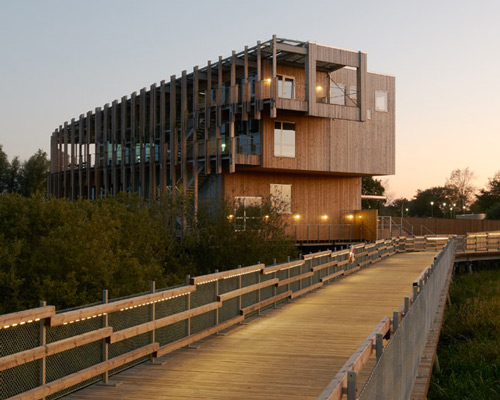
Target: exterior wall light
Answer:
pixel 230 217
pixel 324 217
pixel 296 217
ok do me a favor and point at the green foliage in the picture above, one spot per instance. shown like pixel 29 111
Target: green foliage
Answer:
pixel 469 346
pixel 488 199
pixel 421 204
pixel 67 252
pixel 27 178
pixel 370 185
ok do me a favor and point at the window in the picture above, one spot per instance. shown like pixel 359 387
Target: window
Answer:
pixel 286 86
pixel 281 198
pixel 337 93
pixel 284 139
pixel 247 212
pixel 381 101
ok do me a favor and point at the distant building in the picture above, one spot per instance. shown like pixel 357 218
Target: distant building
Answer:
pixel 298 121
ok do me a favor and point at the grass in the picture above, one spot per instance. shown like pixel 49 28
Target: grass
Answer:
pixel 469 345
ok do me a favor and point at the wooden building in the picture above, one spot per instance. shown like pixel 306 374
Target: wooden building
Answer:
pixel 298 122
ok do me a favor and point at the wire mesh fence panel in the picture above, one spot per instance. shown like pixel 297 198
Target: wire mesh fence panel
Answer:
pixel 295 286
pixel 204 294
pixel 73 360
pixel 19 379
pixel 202 322
pixel 316 276
pixel 267 292
pixel 249 299
pixel 170 307
pixel 172 333
pixel 306 282
pixel 124 346
pixel 250 279
pixel 393 375
pixel 127 318
pixel 229 309
pixel 229 284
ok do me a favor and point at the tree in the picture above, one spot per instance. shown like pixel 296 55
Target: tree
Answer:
pixel 461 189
pixel 421 204
pixel 370 185
pixel 33 174
pixel 488 200
pixel 4 170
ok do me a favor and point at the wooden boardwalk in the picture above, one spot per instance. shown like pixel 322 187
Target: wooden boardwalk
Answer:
pixel 291 353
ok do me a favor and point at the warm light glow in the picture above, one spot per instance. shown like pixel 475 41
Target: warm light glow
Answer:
pixel 266 217
pixel 319 88
pixel 296 217
pixel 324 217
pixel 350 216
pixel 268 80
pixel 360 216
pixel 444 204
pixel 230 217
pixel 432 203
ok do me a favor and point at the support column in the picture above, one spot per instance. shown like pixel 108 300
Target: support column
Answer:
pixel 88 169
pixel 184 131
pixel 219 119
pixel 195 139
pixel 152 143
pixel 162 131
pixel 258 84
pixel 81 136
pixel 142 141
pixel 65 161
pixel 105 140
pixel 72 160
pixel 274 82
pixel 123 142
pixel 98 148
pixel 173 135
pixel 208 114
pixel 114 145
pixel 234 106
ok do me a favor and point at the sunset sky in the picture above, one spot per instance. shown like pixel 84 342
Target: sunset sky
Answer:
pixel 60 59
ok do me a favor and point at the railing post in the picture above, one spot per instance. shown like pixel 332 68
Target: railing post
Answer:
pixel 379 345
pixel 43 342
pixel 217 294
pixel 407 304
pixel 105 345
pixel 188 306
pixel 152 316
pixel 351 385
pixel 395 321
pixel 421 284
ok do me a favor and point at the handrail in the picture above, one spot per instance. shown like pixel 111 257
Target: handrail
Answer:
pixel 258 285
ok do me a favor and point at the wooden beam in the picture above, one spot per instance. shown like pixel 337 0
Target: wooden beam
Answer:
pixel 27 316
pixel 162 322
pixel 325 265
pixel 305 290
pixel 219 119
pixel 194 155
pixel 120 305
pixel 114 129
pixel 85 374
pixel 81 137
pixel 198 336
pixel 123 141
pixel 294 279
pixel 247 289
pixel 258 84
pixel 184 132
pixel 274 82
pixel 331 276
pixel 88 169
pixel 316 255
pixel 105 133
pixel 361 82
pixel 162 131
pixel 36 353
pixel 226 274
pixel 280 267
pixel 142 140
pixel 72 160
pixel 291 49
pixel 152 143
pixel 208 114
pixel 133 140
pixel 264 303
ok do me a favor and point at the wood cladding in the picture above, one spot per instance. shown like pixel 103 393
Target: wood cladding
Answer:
pixel 312 195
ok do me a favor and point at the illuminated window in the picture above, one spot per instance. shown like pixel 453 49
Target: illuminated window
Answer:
pixel 281 198
pixel 286 86
pixel 337 93
pixel 381 101
pixel 284 139
pixel 247 212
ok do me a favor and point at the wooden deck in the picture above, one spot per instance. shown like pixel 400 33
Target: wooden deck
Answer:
pixel 291 353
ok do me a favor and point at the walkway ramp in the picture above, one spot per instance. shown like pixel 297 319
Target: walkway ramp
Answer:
pixel 289 353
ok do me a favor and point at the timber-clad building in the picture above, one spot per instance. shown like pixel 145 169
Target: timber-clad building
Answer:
pixel 296 121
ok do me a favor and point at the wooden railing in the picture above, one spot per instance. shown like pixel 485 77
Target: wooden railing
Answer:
pixel 78 347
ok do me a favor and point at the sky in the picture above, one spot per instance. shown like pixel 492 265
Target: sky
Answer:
pixel 61 58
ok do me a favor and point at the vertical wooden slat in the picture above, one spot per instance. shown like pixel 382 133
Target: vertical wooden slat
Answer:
pixel 219 119
pixel 114 146
pixel 208 114
pixel 234 105
pixel 98 143
pixel 142 144
pixel 162 131
pixel 184 131
pixel 88 132
pixel 72 160
pixel 81 136
pixel 274 80
pixel 65 161
pixel 123 142
pixel 152 142
pixel 173 136
pixel 195 139
pixel 105 140
pixel 361 82
pixel 311 77
pixel 245 88
pixel 133 140
pixel 258 84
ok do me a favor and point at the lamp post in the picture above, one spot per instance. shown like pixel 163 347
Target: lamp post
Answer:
pixel 407 212
pixel 444 208
pixel 432 209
